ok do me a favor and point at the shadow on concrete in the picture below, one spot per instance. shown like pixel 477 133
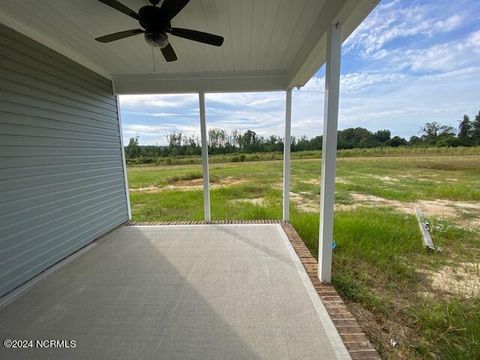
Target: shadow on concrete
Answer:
pixel 237 234
pixel 121 300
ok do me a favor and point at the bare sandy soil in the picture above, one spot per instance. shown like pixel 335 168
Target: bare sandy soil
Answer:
pixel 194 184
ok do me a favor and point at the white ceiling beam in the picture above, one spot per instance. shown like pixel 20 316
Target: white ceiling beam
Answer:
pixel 199 82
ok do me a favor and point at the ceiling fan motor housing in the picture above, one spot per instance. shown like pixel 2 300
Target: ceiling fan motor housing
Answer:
pixel 152 19
pixel 156 39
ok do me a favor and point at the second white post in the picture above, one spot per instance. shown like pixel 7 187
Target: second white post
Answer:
pixel 206 177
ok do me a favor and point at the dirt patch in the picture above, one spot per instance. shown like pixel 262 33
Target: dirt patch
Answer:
pixel 341 180
pixel 304 204
pixel 148 189
pixel 386 179
pixel 255 201
pixel 312 181
pixel 446 209
pixel 345 207
pixel 463 279
pixel 416 177
pixel 425 180
pixel 188 183
pixel 194 184
pixel 429 207
pixel 316 181
pixel 230 180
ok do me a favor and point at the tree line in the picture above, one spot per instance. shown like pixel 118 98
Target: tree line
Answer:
pixel 221 141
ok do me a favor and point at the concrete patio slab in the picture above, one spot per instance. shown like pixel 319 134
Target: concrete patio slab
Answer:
pixel 176 292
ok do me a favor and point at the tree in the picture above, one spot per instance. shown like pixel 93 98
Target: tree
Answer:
pixel 431 130
pixel 465 131
pixel 397 141
pixel 434 132
pixel 476 130
pixel 174 139
pixel 217 139
pixel 248 141
pixel 446 130
pixel 132 150
pixel 356 137
pixel 316 143
pixel 414 140
pixel 383 135
pixel 446 137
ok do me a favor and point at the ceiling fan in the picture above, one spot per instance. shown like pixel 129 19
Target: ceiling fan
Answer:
pixel 155 23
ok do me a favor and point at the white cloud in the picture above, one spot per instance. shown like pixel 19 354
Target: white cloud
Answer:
pixel 359 81
pixel 160 101
pixel 441 57
pixel 449 23
pixel 408 102
pixel 473 40
pixel 390 21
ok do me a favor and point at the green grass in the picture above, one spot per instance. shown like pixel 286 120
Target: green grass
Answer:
pixel 452 325
pixel 379 264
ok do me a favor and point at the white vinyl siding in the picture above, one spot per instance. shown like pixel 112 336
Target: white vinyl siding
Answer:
pixel 61 169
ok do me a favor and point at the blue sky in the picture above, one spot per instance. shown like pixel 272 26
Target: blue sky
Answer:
pixel 409 62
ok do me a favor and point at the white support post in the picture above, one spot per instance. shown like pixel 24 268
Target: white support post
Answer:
pixel 206 177
pixel 329 149
pixel 124 163
pixel 286 156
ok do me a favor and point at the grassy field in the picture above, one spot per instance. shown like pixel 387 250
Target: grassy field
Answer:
pixel 412 303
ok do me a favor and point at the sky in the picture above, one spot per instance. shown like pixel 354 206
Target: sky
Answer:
pixel 409 62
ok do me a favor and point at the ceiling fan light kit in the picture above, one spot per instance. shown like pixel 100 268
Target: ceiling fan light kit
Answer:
pixel 155 23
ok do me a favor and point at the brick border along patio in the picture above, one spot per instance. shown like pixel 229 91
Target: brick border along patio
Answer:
pixel 351 333
pixel 358 345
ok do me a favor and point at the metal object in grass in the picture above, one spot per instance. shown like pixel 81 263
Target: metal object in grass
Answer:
pixel 425 230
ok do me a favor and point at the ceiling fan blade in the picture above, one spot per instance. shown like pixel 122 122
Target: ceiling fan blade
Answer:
pixel 120 7
pixel 172 7
pixel 199 36
pixel 169 53
pixel 119 35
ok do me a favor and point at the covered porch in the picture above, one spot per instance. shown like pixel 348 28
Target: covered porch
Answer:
pixel 211 291
pixel 269 46
pixel 234 291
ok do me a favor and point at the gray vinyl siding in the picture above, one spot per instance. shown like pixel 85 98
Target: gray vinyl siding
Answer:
pixel 61 168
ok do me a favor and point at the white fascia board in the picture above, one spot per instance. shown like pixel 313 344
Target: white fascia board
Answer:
pixel 54 45
pixel 312 55
pixel 208 82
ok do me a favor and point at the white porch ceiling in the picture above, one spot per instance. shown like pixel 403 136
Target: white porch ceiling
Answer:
pixel 269 44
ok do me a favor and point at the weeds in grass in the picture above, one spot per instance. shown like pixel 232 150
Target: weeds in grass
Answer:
pixel 186 177
pixel 452 325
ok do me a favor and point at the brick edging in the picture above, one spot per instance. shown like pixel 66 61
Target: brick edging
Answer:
pixel 216 222
pixel 351 333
